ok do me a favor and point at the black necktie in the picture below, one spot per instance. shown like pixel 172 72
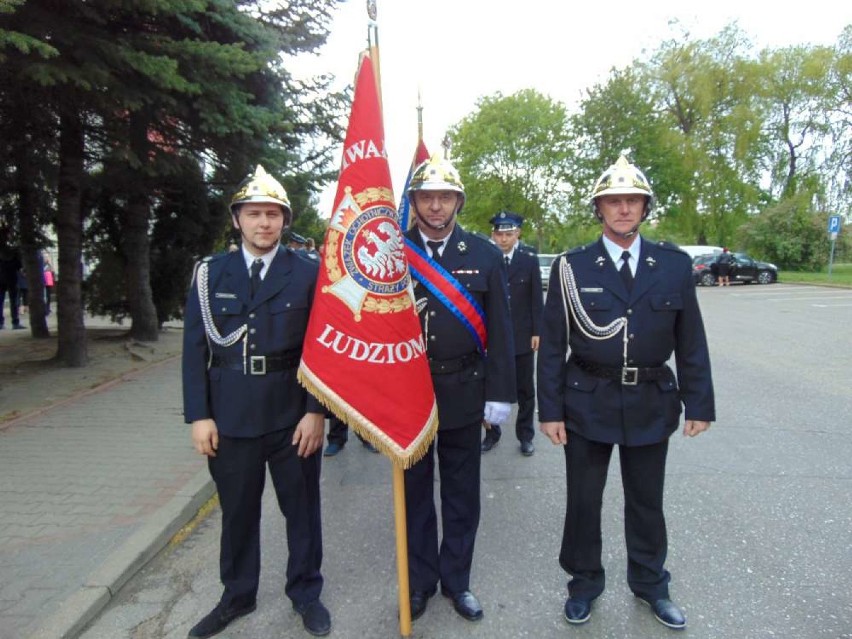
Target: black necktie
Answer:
pixel 435 247
pixel 508 261
pixel 626 275
pixel 256 267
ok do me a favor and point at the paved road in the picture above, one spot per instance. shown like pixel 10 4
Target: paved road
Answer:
pixel 759 514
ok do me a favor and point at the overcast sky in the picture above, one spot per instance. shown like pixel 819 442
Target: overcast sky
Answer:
pixel 456 51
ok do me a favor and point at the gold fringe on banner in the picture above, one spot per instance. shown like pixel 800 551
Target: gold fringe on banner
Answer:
pixel 403 458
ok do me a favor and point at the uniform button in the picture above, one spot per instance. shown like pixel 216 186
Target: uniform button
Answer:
pixel 668 303
pixel 631 335
pixel 251 315
pixel 252 331
pixel 432 313
pixel 288 304
pixel 575 383
pixel 630 311
pixel 432 338
pixel 252 346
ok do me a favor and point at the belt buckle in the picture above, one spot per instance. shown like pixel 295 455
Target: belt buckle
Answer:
pixel 629 376
pixel 257 364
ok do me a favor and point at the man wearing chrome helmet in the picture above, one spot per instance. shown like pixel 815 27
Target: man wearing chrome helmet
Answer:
pixel 621 307
pixel 245 321
pixel 461 293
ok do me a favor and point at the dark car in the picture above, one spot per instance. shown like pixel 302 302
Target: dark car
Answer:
pixel 743 269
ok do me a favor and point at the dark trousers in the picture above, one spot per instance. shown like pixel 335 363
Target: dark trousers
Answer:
pixel 12 290
pixel 338 432
pixel 459 459
pixel 642 475
pixel 239 470
pixel 524 370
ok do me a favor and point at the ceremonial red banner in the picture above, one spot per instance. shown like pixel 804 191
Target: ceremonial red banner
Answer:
pixel 364 356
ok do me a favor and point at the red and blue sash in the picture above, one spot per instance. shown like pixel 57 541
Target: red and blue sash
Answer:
pixel 449 291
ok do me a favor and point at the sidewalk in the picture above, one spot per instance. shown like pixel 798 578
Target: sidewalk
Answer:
pixel 90 490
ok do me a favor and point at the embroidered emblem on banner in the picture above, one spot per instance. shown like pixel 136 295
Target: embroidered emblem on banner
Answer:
pixel 365 259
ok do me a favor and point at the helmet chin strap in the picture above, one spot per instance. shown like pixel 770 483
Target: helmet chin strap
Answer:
pixel 426 222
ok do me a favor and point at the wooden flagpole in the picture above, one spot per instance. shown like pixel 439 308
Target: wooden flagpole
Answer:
pixel 398 472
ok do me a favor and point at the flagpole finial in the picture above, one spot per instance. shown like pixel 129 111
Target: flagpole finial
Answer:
pixel 371 10
pixel 447 144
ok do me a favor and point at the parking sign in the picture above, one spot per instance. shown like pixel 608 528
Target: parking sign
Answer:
pixel 834 224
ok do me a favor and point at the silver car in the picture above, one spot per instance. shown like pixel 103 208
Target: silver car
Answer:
pixel 544 262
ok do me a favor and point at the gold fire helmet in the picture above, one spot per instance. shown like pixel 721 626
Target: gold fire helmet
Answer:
pixel 261 187
pixel 623 178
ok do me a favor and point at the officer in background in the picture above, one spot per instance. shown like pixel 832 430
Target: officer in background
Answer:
pixel 246 317
pixel 526 301
pixel 630 304
pixel 472 373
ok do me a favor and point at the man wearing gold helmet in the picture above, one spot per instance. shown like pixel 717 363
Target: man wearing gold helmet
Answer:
pixel 245 322
pixel 460 285
pixel 621 307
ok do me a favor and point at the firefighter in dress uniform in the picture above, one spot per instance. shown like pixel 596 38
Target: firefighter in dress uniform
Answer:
pixel 245 322
pixel 526 301
pixel 473 377
pixel 621 306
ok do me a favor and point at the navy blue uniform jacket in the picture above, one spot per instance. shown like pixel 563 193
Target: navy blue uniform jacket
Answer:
pixel 663 318
pixel 525 299
pixel 245 405
pixel 477 265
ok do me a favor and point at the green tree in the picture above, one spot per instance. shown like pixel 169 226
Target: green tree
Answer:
pixel 789 234
pixel 513 153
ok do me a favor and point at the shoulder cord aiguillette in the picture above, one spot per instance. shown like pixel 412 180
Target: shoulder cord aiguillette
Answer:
pixel 207 317
pixel 572 305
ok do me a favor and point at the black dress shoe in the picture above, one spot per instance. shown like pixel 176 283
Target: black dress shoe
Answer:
pixel 527 448
pixel 666 612
pixel 217 620
pixel 315 617
pixel 465 603
pixel 577 610
pixel 418 600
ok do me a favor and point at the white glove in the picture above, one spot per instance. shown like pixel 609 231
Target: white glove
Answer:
pixel 497 412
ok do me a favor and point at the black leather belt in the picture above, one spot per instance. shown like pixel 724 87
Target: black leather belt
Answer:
pixel 627 375
pixel 445 366
pixel 258 364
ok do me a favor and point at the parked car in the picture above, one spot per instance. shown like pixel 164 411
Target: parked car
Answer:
pixel 743 269
pixel 544 262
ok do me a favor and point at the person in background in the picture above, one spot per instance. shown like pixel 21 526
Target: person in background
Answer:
pixel 23 292
pixel 10 265
pixel 311 249
pixel 723 263
pixel 526 302
pixel 246 317
pixel 472 365
pixel 297 242
pixel 49 280
pixel 621 307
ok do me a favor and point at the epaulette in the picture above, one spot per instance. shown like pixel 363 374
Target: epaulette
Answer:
pixel 669 246
pixel 580 249
pixel 207 259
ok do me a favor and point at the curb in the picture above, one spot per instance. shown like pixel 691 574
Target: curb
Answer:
pixel 103 583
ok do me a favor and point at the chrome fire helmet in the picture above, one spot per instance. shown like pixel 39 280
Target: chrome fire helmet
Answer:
pixel 623 178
